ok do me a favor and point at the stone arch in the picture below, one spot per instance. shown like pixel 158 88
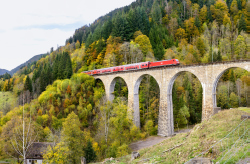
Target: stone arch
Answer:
pixel 99 79
pixel 136 99
pixel 170 100
pixel 215 83
pixel 112 87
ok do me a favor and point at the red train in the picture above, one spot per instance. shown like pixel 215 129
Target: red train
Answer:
pixel 134 66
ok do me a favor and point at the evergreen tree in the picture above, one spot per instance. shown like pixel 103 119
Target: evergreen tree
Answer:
pixel 89 40
pixel 90 154
pixel 197 22
pixel 209 15
pixel 239 4
pixel 132 20
pixel 107 29
pixel 200 2
pixel 145 22
pixel 219 57
pixel 55 67
pixel 156 13
pixel 68 68
pixel 242 24
pixel 28 84
pixel 139 19
pixel 42 81
pixel 156 42
pixel 122 27
pixel 128 32
pixel 232 76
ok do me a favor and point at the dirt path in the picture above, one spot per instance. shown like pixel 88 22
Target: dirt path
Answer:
pixel 150 141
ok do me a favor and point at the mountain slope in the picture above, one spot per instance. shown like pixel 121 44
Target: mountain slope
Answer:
pixel 3 71
pixel 204 135
pixel 33 59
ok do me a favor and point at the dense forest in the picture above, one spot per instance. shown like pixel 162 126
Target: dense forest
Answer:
pixel 67 107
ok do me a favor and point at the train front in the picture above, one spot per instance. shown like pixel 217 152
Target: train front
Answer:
pixel 177 61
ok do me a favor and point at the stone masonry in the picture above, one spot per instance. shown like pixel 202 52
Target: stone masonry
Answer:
pixel 208 75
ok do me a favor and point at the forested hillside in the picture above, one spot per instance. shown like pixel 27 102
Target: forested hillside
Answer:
pixel 68 107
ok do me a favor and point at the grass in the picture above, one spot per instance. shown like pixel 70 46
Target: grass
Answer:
pixel 199 139
pixel 245 109
pixel 7 101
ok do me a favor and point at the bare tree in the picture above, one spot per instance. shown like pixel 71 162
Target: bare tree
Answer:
pixel 19 135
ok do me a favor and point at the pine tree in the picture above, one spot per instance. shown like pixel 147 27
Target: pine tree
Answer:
pixel 219 57
pixel 232 76
pixel 28 84
pixel 128 32
pixel 55 68
pixel 239 4
pixel 145 21
pixel 89 40
pixel 139 19
pixel 90 154
pixel 42 82
pixel 156 13
pixel 197 22
pixel 107 29
pixel 68 67
pixel 156 37
pixel 209 15
pixel 242 24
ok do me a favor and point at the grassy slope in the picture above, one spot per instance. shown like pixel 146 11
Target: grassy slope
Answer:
pixel 201 138
pixel 7 98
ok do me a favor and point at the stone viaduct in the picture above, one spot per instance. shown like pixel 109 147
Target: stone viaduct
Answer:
pixel 208 75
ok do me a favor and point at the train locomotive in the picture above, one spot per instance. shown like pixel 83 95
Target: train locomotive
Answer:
pixel 134 66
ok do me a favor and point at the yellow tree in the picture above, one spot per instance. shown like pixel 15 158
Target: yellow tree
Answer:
pixel 173 25
pixel 226 20
pixel 203 14
pixel 57 154
pixel 169 54
pixel 137 33
pixel 112 49
pixel 77 44
pixel 240 47
pixel 180 34
pixel 144 43
pixel 191 29
pixel 195 9
pixel 165 20
pixel 201 46
pixel 219 10
pixel 234 8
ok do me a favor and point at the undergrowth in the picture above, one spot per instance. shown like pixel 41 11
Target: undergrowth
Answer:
pixel 200 139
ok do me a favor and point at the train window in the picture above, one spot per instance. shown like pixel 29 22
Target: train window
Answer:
pixel 146 64
pixel 142 64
